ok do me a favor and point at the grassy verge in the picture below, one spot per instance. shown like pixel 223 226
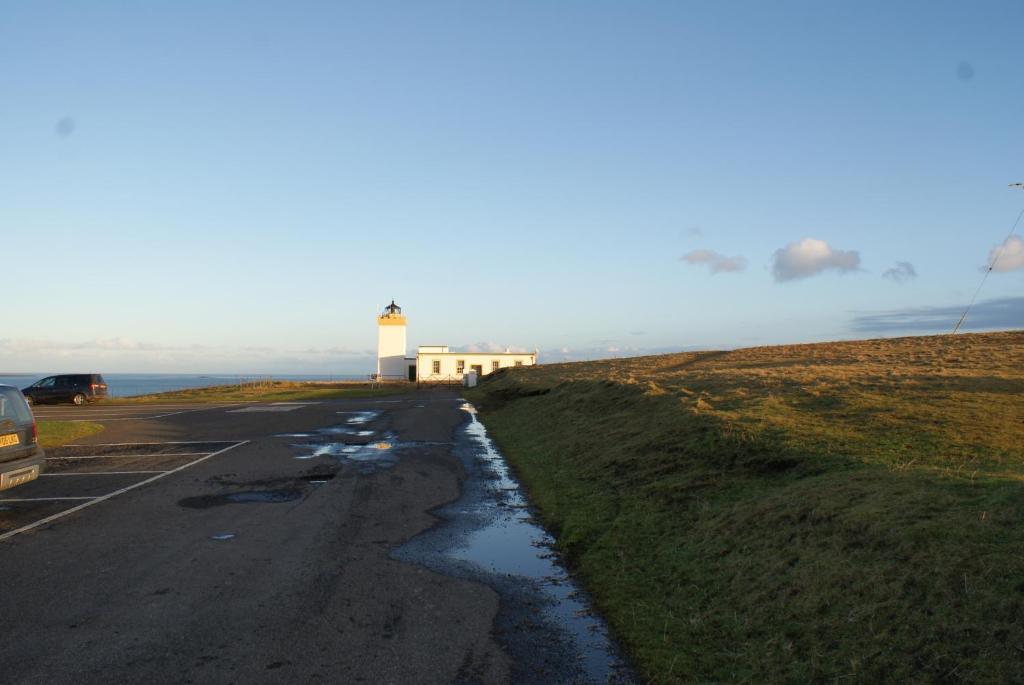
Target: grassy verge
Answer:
pixel 846 511
pixel 276 391
pixel 57 433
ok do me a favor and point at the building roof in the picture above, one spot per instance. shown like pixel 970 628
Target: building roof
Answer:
pixel 482 354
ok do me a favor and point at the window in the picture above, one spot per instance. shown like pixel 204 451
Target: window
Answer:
pixel 436 366
pixel 12 406
pixel 519 363
pixel 460 365
pixel 495 364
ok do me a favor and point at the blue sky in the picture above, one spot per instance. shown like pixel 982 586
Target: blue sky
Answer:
pixel 240 187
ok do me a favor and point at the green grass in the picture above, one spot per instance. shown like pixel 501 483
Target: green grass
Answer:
pixel 814 513
pixel 57 433
pixel 274 391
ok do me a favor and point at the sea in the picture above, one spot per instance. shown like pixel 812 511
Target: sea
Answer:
pixel 131 384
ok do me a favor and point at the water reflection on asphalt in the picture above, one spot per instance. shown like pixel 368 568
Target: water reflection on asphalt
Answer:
pixel 546 622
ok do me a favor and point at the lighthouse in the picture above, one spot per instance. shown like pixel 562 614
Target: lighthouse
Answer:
pixel 391 343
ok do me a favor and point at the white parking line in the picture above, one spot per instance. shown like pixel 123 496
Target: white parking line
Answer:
pixel 97 473
pixel 169 442
pixel 127 456
pixel 103 416
pixel 54 415
pixel 103 498
pixel 127 418
pixel 108 414
pixel 44 499
pixel 114 410
pixel 277 406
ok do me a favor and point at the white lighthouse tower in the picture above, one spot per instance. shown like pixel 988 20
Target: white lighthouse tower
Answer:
pixel 391 343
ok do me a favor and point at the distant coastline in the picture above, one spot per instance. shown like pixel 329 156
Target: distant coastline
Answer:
pixel 132 384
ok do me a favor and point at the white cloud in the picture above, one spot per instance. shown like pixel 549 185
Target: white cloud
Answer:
pixel 716 262
pixel 903 271
pixel 1012 257
pixel 809 257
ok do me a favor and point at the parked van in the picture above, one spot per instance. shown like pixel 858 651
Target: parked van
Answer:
pixel 77 388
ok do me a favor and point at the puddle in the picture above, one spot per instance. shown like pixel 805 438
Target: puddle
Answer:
pixel 358 418
pixel 351 445
pixel 245 497
pixel 222 536
pixel 348 443
pixel 545 622
pixel 344 430
pixel 379 454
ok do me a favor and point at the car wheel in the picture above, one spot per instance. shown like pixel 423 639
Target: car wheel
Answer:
pixel 28 400
pixel 78 399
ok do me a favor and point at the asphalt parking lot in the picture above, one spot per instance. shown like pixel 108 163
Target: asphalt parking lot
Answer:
pixel 255 542
pixel 80 476
pixel 241 543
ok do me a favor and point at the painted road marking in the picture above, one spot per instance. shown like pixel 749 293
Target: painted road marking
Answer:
pixel 96 500
pixel 98 415
pixel 113 410
pixel 170 442
pixel 269 408
pixel 97 473
pixel 44 499
pixel 127 456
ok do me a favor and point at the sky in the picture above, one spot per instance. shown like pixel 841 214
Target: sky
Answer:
pixel 243 186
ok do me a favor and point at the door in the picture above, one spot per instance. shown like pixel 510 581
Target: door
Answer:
pixel 412 373
pixel 479 369
pixel 64 389
pixel 42 391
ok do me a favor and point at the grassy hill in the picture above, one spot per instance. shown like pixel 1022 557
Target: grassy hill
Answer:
pixel 846 511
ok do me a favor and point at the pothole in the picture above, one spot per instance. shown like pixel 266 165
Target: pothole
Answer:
pixel 318 478
pixel 243 497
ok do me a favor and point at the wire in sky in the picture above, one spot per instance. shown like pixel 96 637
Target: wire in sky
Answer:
pixel 991 266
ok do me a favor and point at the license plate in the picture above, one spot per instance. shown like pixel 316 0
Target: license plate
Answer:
pixel 9 480
pixel 11 439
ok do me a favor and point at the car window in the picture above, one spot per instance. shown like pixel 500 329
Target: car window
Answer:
pixel 64 382
pixel 12 406
pixel 46 382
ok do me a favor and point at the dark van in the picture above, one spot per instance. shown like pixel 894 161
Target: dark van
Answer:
pixel 21 457
pixel 77 388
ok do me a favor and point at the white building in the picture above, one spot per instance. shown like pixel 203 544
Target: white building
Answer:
pixel 433 363
pixel 391 360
